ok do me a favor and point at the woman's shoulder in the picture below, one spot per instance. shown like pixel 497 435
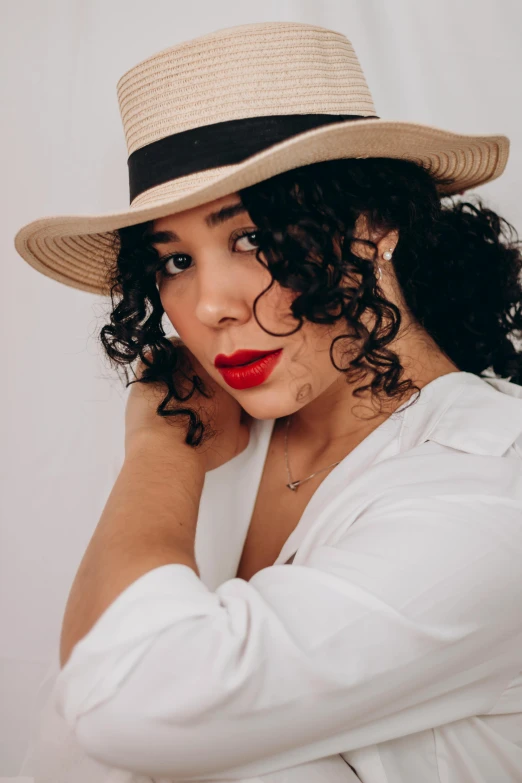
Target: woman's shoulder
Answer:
pixel 471 446
pixel 460 446
pixel 470 415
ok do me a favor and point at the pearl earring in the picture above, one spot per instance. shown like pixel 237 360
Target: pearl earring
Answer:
pixel 386 255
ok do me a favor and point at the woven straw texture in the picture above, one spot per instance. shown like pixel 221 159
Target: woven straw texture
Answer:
pixel 261 69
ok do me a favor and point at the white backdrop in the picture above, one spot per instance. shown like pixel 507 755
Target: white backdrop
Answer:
pixel 455 64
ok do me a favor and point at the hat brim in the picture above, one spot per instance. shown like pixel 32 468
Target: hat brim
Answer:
pixel 77 250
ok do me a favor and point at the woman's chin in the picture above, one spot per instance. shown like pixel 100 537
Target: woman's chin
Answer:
pixel 265 412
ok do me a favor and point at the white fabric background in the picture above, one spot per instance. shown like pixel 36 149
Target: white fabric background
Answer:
pixel 455 64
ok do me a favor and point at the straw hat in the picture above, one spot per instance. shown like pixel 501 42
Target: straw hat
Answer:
pixel 218 113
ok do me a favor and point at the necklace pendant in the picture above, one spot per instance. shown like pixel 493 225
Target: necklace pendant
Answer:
pixel 293 485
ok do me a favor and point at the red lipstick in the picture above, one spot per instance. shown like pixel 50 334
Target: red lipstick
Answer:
pixel 244 356
pixel 240 375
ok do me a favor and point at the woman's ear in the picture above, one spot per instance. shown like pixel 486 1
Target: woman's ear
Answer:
pixel 361 235
pixel 388 242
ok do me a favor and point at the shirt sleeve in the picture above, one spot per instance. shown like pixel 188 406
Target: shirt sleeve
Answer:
pixel 408 620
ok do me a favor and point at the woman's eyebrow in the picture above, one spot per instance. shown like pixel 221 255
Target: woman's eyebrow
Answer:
pixel 212 219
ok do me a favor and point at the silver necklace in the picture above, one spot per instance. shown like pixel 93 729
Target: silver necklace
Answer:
pixel 294 484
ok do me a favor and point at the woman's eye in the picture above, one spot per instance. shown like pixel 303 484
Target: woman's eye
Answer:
pixel 247 239
pixel 245 243
pixel 180 263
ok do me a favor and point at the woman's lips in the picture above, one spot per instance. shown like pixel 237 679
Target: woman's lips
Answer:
pixel 252 374
pixel 240 357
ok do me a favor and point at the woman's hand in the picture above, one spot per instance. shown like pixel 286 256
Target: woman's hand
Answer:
pixel 222 412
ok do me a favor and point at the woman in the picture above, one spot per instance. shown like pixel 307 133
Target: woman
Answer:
pixel 373 444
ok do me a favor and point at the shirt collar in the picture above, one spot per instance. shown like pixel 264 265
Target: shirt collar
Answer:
pixel 465 412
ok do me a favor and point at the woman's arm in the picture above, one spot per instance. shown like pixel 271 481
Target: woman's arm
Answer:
pixel 149 520
pixel 150 517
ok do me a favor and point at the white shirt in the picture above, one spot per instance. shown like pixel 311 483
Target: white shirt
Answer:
pixel 388 651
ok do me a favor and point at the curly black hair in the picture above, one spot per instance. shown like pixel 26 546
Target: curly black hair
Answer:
pixel 458 265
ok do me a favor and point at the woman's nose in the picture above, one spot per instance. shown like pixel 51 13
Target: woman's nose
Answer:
pixel 220 298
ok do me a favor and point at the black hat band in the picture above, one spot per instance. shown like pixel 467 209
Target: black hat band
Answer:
pixel 218 144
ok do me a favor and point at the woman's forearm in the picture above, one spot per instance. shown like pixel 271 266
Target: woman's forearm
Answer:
pixel 149 520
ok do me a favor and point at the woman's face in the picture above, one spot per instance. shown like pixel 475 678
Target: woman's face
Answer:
pixel 210 280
